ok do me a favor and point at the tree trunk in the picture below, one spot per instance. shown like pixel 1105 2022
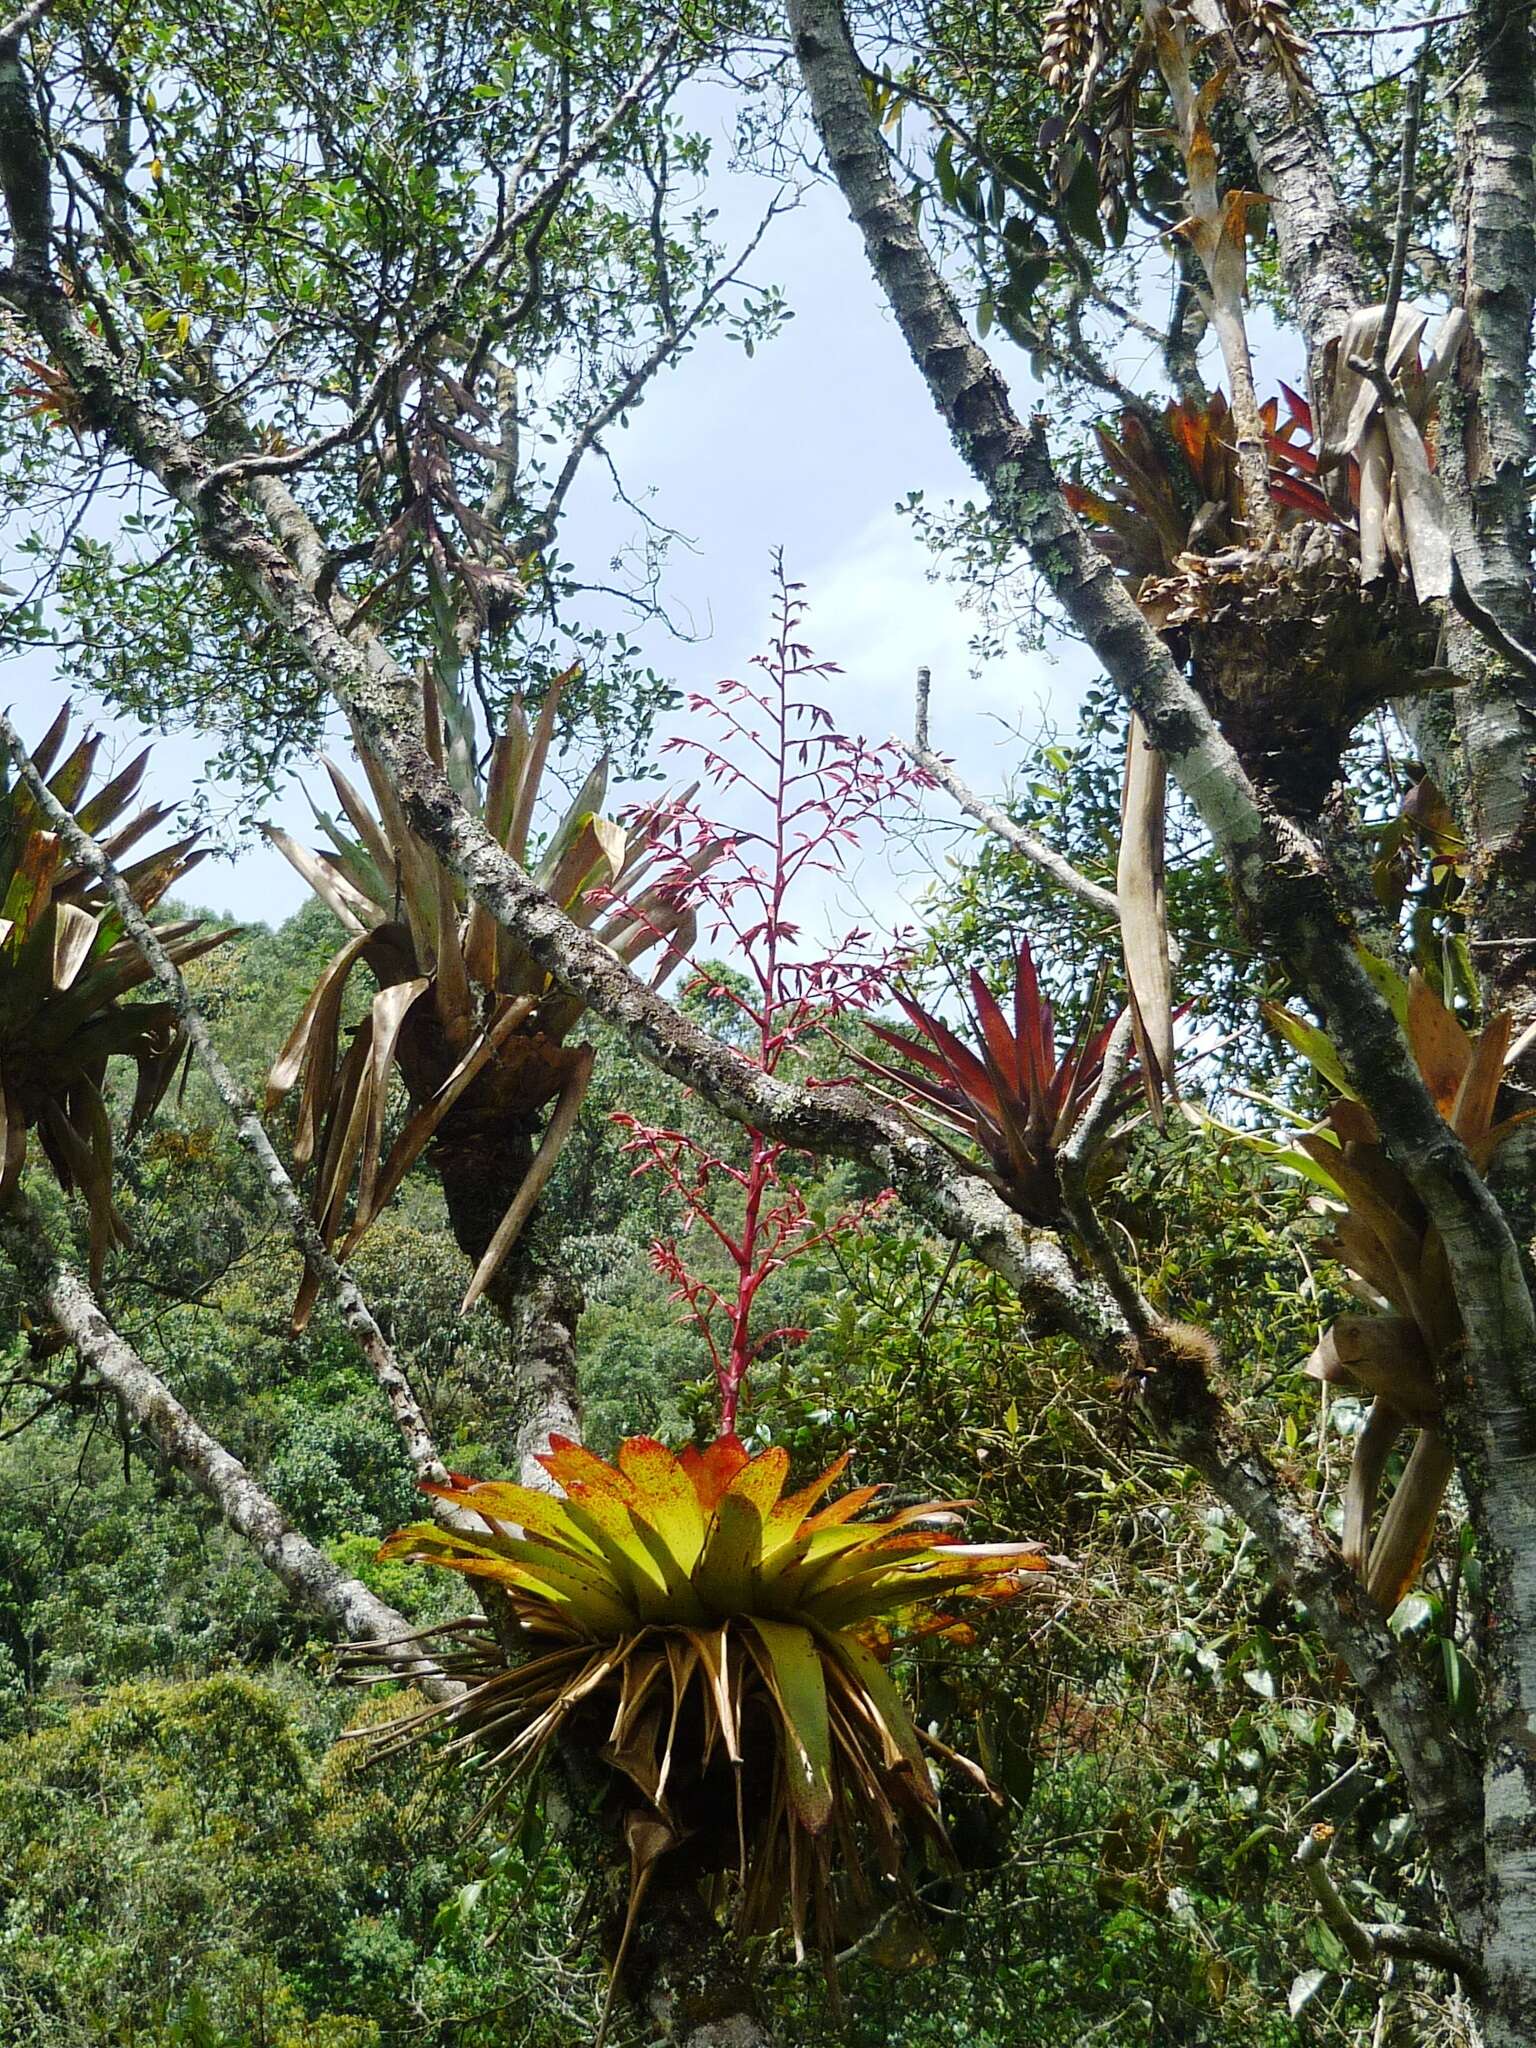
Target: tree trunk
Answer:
pixel 688 1976
pixel 481 1155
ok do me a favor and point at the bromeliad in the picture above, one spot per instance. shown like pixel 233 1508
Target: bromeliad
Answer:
pixel 463 1012
pixel 1011 1095
pixel 65 969
pixel 1401 1350
pixel 719 1645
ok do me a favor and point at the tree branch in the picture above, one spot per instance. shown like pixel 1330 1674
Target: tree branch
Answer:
pixel 1368 1942
pixel 306 1573
pixel 1034 849
pixel 443 307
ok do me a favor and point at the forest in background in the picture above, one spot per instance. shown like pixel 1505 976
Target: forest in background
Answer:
pixel 420 1617
pixel 191 1855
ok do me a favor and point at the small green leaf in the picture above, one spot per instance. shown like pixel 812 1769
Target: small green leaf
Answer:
pixel 1315 1046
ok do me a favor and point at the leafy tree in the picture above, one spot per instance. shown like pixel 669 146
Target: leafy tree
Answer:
pixel 315 291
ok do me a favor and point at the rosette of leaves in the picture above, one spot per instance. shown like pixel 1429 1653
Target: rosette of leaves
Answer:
pixel 718 1645
pixel 1169 506
pixel 1168 514
pixel 463 1013
pixel 1009 1093
pixel 1175 489
pixel 66 969
pixel 1401 1349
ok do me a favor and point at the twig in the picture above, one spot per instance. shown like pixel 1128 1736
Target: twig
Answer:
pixel 414 1431
pixel 1033 848
pixel 24 18
pixel 1405 209
pixel 1311 1860
pixel 441 310
pixel 1117 1057
pixel 1371 1941
pixel 1141 1319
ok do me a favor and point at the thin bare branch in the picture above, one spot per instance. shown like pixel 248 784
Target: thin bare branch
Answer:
pixel 1405 211
pixel 1370 1942
pixel 1034 849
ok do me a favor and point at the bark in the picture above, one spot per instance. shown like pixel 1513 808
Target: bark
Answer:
pixel 1282 881
pixel 481 1155
pixel 306 1573
pixel 547 1307
pixel 694 1987
pixel 1487 446
pixel 1486 450
pixel 540 1304
pixel 1279 876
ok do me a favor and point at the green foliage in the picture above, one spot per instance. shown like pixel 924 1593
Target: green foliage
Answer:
pixel 185 1858
pixel 193 1866
pixel 303 190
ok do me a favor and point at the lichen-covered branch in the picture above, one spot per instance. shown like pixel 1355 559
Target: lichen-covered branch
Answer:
pixel 1037 851
pixel 415 1433
pixel 306 1573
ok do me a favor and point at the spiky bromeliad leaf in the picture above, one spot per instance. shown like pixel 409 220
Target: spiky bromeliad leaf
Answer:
pixel 1010 1095
pixel 66 967
pixel 461 1009
pixel 1176 487
pixel 1399 1352
pixel 1173 497
pixel 713 1641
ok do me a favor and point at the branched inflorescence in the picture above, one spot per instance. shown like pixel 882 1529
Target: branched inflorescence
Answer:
pixel 816 790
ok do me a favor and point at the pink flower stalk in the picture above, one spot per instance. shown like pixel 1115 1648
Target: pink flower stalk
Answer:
pixel 819 791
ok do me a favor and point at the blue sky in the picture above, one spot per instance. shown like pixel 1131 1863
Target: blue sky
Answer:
pixel 806 446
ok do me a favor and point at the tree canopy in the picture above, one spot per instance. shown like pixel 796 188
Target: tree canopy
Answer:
pixel 476 1271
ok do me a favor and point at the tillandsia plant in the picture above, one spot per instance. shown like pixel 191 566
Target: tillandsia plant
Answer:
pixel 719 1646
pixel 464 1014
pixel 1403 1349
pixel 1012 1096
pixel 65 968
pixel 816 791
pixel 1173 489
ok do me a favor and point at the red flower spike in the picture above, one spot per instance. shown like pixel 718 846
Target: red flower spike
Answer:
pixel 823 790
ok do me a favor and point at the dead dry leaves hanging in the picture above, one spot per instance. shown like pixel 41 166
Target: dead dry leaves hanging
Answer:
pixel 463 1013
pixel 1402 1351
